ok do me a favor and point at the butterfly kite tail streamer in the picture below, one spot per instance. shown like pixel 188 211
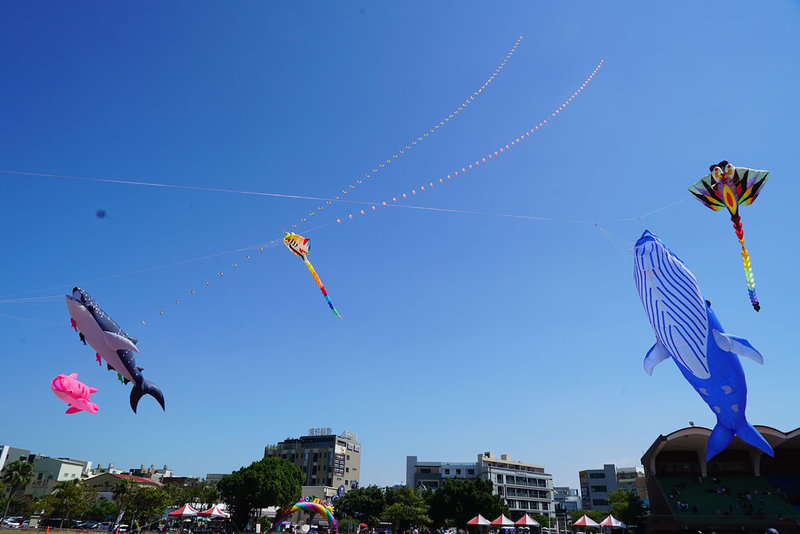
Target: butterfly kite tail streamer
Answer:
pixel 321 287
pixel 748 269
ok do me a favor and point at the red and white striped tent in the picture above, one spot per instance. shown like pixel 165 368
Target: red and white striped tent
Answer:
pixel 184 511
pixel 478 520
pixel 214 513
pixel 612 522
pixel 586 521
pixel 502 521
pixel 526 521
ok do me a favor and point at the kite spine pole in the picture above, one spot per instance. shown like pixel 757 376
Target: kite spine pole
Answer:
pixel 748 269
pixel 321 287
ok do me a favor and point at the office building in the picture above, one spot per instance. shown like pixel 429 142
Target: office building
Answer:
pixel 326 459
pixel 526 488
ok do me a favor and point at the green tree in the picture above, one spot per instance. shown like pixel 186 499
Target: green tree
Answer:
pixel 457 500
pixel 69 500
pixel 101 509
pixel 21 504
pixel 542 519
pixel 141 504
pixel 150 503
pixel 16 475
pixel 267 482
pixel 408 510
pixel 366 505
pixel 124 495
pixel 629 508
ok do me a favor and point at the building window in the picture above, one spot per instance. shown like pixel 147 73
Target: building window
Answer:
pixel 348 456
pixel 470 471
pixel 499 479
pixel 425 470
pixel 446 471
pixel 600 488
pixel 458 471
pixel 597 475
pixel 599 502
pixel 346 469
pixel 40 476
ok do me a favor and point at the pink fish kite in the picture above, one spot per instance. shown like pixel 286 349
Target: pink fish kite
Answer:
pixel 75 393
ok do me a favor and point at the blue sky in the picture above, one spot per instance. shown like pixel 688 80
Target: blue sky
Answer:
pixel 462 333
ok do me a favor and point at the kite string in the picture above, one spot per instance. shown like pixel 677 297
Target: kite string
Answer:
pixel 491 155
pixel 414 142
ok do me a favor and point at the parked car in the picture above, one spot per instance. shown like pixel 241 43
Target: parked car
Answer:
pixel 11 523
pixel 105 525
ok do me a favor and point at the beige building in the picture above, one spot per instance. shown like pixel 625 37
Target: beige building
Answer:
pixel 106 482
pixel 326 459
pixel 47 472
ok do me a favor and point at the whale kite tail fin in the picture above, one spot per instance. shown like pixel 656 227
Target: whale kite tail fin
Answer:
pixel 719 439
pixel 753 437
pixel 146 388
pixel 722 436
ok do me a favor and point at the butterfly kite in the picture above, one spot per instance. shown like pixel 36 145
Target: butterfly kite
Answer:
pixel 729 187
pixel 299 246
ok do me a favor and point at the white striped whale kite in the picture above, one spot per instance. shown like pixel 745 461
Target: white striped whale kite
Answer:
pixel 688 331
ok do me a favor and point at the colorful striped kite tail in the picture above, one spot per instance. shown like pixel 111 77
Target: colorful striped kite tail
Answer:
pixel 321 287
pixel 748 268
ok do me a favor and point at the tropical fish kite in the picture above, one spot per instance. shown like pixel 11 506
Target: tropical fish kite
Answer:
pixel 75 393
pixel 299 246
pixel 688 332
pixel 729 187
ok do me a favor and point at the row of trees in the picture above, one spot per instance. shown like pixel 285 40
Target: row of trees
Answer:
pixel 278 482
pixel 72 499
pixel 453 504
pixel 456 502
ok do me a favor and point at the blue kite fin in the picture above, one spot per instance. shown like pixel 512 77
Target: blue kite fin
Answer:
pixel 719 439
pixel 750 435
pixel 657 354
pixel 738 346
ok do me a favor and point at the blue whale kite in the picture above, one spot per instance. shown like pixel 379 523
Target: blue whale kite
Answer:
pixel 112 344
pixel 688 331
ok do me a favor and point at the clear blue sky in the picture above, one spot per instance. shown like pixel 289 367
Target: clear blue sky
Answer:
pixel 462 333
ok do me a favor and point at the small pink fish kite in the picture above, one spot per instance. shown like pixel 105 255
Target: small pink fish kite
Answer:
pixel 75 393
pixel 300 247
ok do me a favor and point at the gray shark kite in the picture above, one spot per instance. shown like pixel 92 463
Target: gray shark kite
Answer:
pixel 116 347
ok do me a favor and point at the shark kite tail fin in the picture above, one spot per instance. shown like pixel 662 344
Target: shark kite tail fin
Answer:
pixel 146 388
pixel 750 435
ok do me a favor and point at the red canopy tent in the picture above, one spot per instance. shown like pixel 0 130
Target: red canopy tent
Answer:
pixel 184 511
pixel 479 521
pixel 214 513
pixel 612 522
pixel 502 521
pixel 586 521
pixel 526 521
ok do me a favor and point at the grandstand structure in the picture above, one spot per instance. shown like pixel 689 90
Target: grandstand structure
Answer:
pixel 740 491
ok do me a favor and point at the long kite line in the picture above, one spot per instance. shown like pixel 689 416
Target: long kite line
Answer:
pixel 372 205
pixel 414 142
